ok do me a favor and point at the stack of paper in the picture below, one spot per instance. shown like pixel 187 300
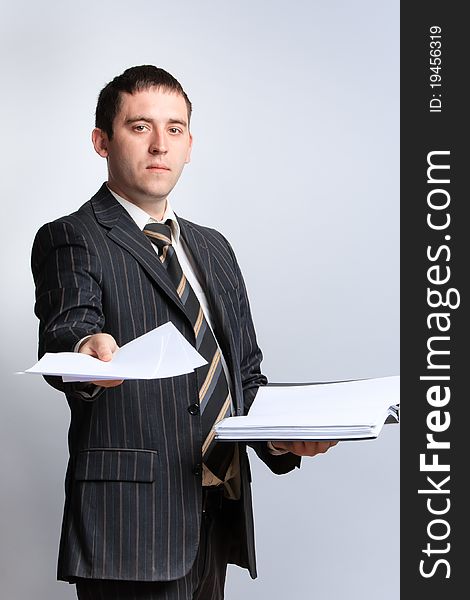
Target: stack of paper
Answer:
pixel 332 411
pixel 162 352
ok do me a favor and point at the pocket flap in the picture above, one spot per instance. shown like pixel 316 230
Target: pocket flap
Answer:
pixel 114 464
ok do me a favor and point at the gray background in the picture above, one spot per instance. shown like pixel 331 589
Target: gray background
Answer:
pixel 296 131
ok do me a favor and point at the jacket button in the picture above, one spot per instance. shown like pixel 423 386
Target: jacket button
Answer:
pixel 197 470
pixel 193 409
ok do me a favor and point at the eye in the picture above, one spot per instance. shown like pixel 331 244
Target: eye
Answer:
pixel 174 130
pixel 140 128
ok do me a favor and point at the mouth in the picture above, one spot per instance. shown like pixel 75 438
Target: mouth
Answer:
pixel 158 168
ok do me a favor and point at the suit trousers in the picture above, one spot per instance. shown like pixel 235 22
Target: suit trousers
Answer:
pixel 204 581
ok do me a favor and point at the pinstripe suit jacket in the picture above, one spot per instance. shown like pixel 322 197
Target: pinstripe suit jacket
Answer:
pixel 133 483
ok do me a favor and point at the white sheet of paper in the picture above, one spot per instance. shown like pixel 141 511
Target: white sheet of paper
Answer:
pixel 346 410
pixel 162 352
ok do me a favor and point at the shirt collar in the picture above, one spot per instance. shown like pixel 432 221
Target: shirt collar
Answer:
pixel 142 218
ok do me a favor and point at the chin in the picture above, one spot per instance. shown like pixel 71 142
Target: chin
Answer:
pixel 156 195
pixel 159 194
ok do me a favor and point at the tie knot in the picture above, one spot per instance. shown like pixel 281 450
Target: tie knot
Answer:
pixel 159 234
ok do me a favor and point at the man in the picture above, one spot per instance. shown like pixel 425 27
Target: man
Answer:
pixel 154 508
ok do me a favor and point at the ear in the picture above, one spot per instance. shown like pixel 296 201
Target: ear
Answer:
pixel 100 142
pixel 188 154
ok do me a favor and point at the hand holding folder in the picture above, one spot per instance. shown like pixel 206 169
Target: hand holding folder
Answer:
pixel 333 411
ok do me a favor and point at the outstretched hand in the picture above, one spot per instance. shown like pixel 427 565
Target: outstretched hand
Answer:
pixel 304 448
pixel 101 346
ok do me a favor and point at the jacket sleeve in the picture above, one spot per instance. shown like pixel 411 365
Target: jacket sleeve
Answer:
pixel 252 378
pixel 67 276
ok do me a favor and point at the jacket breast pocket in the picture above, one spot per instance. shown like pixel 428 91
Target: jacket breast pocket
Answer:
pixel 117 504
pixel 115 464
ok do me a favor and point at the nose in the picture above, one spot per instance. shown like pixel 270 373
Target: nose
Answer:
pixel 158 143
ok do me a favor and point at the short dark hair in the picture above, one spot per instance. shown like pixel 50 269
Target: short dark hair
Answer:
pixel 134 79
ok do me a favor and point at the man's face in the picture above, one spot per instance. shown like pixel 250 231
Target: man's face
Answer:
pixel 151 144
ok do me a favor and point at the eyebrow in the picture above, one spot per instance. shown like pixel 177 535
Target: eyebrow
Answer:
pixel 149 120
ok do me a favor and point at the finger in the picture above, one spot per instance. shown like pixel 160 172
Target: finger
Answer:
pixel 304 448
pixel 314 448
pixel 108 383
pixel 283 445
pixel 101 346
pixel 323 447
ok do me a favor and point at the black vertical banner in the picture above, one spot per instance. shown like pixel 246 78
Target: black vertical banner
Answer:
pixel 435 316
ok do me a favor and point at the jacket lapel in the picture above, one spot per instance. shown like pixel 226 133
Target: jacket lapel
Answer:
pixel 123 230
pixel 218 300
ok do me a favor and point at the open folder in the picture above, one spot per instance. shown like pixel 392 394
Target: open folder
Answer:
pixel 162 352
pixel 350 410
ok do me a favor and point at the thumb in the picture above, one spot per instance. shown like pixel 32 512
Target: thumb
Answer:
pixel 100 345
pixel 103 350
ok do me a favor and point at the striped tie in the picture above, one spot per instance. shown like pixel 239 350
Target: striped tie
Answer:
pixel 215 401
